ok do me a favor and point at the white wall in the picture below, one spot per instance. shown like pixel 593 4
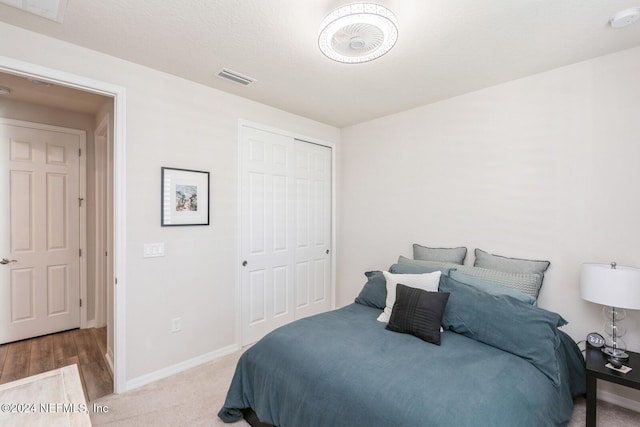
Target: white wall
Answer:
pixel 177 123
pixel 546 167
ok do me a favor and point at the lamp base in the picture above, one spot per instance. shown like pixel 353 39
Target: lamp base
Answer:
pixel 615 353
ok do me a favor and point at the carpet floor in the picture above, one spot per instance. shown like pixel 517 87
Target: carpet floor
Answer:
pixel 194 397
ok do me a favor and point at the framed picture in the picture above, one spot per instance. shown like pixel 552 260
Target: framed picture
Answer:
pixel 185 197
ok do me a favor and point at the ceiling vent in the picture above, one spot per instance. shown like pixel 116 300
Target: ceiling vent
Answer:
pixel 235 77
pixel 50 9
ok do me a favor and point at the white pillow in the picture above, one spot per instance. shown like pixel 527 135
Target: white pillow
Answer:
pixel 427 281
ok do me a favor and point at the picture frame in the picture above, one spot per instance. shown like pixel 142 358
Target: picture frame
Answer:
pixel 184 197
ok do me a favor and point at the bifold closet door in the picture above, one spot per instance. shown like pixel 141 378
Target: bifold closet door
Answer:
pixel 285 231
pixel 268 243
pixel 313 228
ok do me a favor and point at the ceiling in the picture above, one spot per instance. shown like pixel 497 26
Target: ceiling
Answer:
pixel 445 48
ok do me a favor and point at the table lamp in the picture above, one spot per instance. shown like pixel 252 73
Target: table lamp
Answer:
pixel 616 288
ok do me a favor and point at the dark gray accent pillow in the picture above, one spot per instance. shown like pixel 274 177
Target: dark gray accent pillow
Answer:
pixel 453 255
pixel 374 292
pixel 510 265
pixel 418 312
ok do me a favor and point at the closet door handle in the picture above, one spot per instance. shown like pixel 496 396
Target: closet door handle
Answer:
pixel 7 261
pixel 244 263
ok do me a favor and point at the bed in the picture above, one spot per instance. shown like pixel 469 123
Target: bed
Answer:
pixel 500 361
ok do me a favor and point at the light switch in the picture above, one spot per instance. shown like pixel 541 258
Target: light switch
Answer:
pixel 153 250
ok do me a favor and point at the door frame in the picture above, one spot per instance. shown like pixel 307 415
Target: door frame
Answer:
pixel 118 93
pixel 82 194
pixel 334 225
pixel 102 165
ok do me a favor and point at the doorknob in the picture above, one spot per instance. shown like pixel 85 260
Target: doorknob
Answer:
pixel 244 263
pixel 7 261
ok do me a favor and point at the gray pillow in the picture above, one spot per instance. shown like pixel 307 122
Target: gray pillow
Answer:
pixel 436 265
pixel 524 282
pixel 453 255
pixel 510 265
pixel 492 287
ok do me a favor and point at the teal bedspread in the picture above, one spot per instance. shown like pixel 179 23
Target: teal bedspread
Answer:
pixel 343 368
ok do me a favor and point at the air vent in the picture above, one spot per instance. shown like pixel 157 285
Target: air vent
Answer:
pixel 235 77
pixel 50 9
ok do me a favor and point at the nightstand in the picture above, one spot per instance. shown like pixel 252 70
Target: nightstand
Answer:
pixel 595 361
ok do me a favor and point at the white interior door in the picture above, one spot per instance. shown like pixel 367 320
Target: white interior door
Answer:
pixel 40 188
pixel 268 245
pixel 285 230
pixel 313 228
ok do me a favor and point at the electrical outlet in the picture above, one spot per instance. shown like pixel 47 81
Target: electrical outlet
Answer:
pixel 176 324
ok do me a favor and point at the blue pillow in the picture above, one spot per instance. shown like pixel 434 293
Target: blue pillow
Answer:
pixel 374 292
pixel 418 269
pixel 505 323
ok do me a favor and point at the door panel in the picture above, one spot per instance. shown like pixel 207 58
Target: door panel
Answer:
pixel 40 181
pixel 21 211
pixel 23 303
pixel 57 216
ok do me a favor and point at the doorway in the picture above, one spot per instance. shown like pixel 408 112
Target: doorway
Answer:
pixel 43 276
pixel 116 94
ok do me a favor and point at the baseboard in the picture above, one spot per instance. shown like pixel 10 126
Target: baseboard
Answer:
pixel 108 357
pixel 179 367
pixel 616 399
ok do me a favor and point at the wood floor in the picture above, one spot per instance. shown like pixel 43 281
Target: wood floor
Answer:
pixel 84 347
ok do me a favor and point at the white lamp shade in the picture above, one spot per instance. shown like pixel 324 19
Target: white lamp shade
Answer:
pixel 615 287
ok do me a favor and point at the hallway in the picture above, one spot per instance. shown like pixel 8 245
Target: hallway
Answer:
pixel 84 347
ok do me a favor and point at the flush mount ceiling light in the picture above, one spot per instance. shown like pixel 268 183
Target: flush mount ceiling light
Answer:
pixel 625 17
pixel 358 32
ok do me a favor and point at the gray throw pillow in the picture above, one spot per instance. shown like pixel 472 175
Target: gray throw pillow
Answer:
pixel 528 283
pixel 510 265
pixel 492 288
pixel 452 255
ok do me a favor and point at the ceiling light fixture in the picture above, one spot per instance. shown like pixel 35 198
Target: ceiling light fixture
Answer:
pixel 625 17
pixel 358 32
